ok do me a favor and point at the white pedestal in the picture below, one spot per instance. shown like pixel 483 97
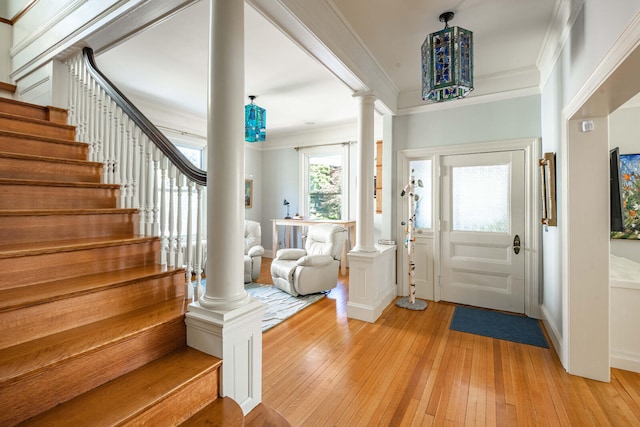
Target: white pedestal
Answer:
pixel 372 282
pixel 235 336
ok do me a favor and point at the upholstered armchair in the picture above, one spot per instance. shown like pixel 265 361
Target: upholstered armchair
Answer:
pixel 314 268
pixel 253 250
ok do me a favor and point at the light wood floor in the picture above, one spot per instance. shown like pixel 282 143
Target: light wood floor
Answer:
pixel 320 368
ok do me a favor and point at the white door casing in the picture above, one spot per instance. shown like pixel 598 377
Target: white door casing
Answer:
pixel 428 243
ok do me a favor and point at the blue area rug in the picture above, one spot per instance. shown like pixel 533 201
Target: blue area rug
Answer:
pixel 502 326
pixel 280 305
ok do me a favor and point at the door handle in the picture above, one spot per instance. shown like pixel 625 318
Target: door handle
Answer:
pixel 516 244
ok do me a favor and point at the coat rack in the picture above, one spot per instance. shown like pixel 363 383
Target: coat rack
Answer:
pixel 410 302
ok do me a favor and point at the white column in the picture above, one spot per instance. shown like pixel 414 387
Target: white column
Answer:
pixel 225 180
pixel 372 270
pixel 364 228
pixel 226 322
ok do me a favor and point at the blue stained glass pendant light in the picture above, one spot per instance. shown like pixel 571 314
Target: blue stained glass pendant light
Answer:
pixel 447 62
pixel 255 122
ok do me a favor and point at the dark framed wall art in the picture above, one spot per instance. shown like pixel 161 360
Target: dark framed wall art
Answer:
pixel 248 193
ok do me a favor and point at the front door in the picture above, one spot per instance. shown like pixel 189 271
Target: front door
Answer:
pixel 482 230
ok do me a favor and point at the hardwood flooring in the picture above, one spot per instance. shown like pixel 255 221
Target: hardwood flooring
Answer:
pixel 322 369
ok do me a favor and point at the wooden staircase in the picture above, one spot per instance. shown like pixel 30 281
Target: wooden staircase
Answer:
pixel 93 329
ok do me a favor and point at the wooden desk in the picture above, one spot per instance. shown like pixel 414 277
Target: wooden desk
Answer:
pixel 349 225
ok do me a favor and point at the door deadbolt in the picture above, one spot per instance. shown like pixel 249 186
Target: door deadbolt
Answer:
pixel 516 244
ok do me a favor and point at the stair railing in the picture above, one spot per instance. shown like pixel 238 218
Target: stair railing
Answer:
pixel 154 176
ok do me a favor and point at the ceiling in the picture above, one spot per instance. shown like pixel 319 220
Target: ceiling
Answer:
pixel 167 63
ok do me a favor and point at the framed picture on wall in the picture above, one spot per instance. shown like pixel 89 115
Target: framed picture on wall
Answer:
pixel 248 193
pixel 630 189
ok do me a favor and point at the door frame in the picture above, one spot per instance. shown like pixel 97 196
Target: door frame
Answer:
pixel 533 229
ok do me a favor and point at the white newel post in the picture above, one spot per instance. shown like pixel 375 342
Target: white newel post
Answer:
pixel 225 321
pixel 372 269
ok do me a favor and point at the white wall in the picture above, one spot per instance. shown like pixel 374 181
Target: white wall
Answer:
pixel 552 103
pixel 280 171
pixel 465 124
pixel 597 26
pixel 5 58
pixel 10 8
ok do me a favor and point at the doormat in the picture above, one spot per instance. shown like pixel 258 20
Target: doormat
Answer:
pixel 503 326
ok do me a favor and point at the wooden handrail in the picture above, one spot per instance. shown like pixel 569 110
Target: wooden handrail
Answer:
pixel 197 175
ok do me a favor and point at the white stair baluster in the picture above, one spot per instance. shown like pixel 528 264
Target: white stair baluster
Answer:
pixel 179 248
pixel 149 182
pixel 135 165
pixel 171 214
pixel 144 185
pixel 198 258
pixel 189 248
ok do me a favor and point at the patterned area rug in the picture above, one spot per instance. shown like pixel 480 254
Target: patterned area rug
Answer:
pixel 280 305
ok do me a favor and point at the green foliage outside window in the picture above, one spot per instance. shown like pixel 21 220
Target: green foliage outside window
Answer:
pixel 325 192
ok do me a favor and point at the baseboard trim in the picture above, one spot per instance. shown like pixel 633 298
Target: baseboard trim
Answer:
pixel 554 333
pixel 368 313
pixel 626 361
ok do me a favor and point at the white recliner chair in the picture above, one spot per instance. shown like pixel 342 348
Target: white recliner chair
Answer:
pixel 314 268
pixel 253 250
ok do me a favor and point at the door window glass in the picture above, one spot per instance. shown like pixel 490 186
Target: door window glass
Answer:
pixel 480 198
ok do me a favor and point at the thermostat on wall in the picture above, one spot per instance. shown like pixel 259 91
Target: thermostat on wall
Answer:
pixel 587 125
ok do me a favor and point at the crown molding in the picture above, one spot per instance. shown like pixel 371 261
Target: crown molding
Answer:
pixel 471 100
pixel 558 32
pixel 488 88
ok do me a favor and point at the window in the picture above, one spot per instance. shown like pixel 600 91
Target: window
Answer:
pixel 424 206
pixel 194 155
pixel 324 176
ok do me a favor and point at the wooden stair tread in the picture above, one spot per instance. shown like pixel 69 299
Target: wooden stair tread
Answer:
pixel 40 293
pixel 42 111
pixel 47 212
pixel 42 353
pixel 223 411
pixel 9 251
pixel 17 102
pixel 8 87
pixel 49 139
pixel 57 160
pixel 117 401
pixel 9 181
pixel 37 121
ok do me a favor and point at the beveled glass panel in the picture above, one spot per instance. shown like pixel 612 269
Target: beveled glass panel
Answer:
pixel 424 205
pixel 480 198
